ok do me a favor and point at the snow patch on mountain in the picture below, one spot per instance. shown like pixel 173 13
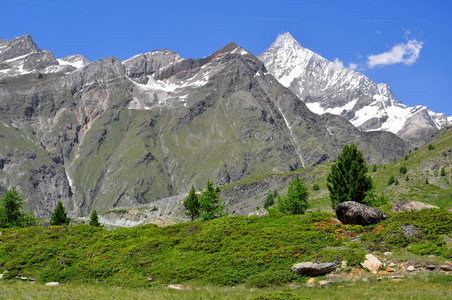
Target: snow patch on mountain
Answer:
pixel 327 88
pixel 77 61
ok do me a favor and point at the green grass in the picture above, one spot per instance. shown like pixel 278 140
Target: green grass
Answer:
pixel 415 287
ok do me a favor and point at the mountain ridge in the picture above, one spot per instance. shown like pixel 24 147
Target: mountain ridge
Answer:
pixel 121 134
pixel 326 87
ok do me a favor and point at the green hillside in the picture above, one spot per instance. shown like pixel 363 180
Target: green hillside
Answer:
pixel 421 165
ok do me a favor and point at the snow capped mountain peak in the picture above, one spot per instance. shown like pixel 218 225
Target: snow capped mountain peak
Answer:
pixel 328 87
pixel 76 60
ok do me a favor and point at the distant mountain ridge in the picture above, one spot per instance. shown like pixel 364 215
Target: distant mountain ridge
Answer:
pixel 326 87
pixel 121 134
pixel 23 56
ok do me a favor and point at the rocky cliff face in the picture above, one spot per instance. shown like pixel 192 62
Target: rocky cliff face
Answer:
pixel 113 134
pixel 326 87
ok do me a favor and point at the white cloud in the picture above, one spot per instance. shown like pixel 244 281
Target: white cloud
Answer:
pixel 352 66
pixel 406 53
pixel 337 65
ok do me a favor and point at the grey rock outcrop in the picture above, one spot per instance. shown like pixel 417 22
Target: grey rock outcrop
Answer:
pixel 314 269
pixel 19 46
pixel 40 60
pixel 411 206
pixel 261 212
pixel 359 214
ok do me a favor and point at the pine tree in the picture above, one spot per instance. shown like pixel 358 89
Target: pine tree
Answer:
pixel 296 201
pixel 443 172
pixel 403 170
pixel 210 204
pixel 191 204
pixel 374 169
pixel 391 180
pixel 59 216
pixel 269 201
pixel 94 220
pixel 11 214
pixel 348 180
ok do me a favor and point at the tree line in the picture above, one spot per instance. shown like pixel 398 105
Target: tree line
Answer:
pixel 348 180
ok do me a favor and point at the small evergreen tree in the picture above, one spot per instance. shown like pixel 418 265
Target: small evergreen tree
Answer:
pixel 396 182
pixel 296 201
pixel 348 180
pixel 443 172
pixel 407 178
pixel 374 169
pixel 403 170
pixel 391 180
pixel 431 147
pixel 11 214
pixel 269 201
pixel 210 205
pixel 94 220
pixel 59 216
pixel 191 204
pixel 316 187
pixel 426 181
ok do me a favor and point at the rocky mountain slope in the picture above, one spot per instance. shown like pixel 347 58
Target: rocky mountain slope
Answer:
pixel 105 134
pixel 326 87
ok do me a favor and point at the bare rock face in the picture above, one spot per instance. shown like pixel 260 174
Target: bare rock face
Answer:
pixel 261 212
pixel 372 263
pixel 18 46
pixel 411 206
pixel 351 212
pixel 314 269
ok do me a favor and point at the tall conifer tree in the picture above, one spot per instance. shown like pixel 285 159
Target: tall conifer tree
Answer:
pixel 348 180
pixel 59 216
pixel 210 204
pixel 94 219
pixel 191 204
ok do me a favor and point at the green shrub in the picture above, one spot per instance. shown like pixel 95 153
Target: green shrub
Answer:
pixel 443 172
pixel 270 278
pixel 434 247
pixel 316 187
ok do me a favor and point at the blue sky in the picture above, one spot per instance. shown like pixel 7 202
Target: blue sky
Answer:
pixel 406 44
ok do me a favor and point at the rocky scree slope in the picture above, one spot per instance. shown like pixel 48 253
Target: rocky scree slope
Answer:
pixel 122 134
pixel 326 87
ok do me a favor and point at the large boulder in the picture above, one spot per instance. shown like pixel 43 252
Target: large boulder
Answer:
pixel 411 206
pixel 352 212
pixel 314 269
